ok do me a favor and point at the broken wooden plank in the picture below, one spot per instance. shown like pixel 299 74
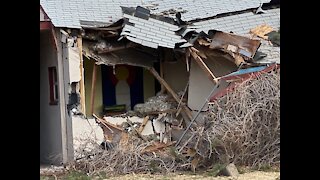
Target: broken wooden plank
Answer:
pixel 112 49
pixel 158 146
pixel 82 87
pixel 145 120
pixel 261 31
pixel 170 90
pixel 162 76
pixel 184 93
pixel 102 122
pixel 93 87
pixel 107 123
pixel 178 112
pixel 202 65
pixel 138 133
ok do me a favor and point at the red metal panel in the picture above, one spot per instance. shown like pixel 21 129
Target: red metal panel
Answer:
pixel 241 78
pixel 45 25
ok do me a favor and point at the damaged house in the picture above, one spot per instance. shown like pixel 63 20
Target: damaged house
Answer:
pixel 161 60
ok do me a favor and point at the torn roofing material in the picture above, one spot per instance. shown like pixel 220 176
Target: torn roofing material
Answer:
pixel 68 13
pixel 150 32
pixel 242 24
pixel 242 75
pixel 130 56
pixel 199 9
pixel 235 43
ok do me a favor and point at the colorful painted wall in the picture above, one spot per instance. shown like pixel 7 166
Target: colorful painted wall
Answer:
pixel 125 84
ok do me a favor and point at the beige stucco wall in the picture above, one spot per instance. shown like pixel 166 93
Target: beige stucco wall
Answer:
pixel 50 115
pixel 200 86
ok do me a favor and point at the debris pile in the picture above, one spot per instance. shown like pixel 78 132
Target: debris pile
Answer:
pixel 156 103
pixel 52 170
pixel 246 122
pixel 242 127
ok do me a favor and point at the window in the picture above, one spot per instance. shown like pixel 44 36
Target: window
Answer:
pixel 53 85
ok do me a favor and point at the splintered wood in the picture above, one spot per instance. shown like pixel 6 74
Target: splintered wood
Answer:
pixel 203 66
pixel 145 120
pixel 261 31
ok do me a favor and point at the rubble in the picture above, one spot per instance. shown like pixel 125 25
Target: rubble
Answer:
pixel 52 170
pixel 225 136
pixel 230 170
pixel 156 103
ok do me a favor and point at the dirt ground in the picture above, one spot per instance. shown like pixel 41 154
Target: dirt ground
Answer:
pixel 256 175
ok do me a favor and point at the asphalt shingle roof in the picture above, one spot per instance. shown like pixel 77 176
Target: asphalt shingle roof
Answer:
pixel 68 13
pixel 241 24
pixel 151 32
pixel 199 9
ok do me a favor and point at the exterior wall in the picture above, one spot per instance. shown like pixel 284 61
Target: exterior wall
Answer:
pixel 66 120
pixel 98 102
pixel 50 115
pixel 200 86
pixel 176 75
pixel 56 141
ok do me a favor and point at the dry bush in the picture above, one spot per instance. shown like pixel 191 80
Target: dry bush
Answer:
pixel 242 127
pixel 126 158
pixel 245 124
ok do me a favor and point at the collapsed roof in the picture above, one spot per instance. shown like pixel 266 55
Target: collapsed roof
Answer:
pixel 167 23
pixel 70 13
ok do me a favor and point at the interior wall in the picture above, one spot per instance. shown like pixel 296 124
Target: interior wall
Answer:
pixel 176 75
pixel 148 85
pixel 200 86
pixel 50 115
pixel 98 101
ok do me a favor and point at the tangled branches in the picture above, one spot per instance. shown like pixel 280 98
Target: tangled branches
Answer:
pixel 127 158
pixel 246 122
pixel 242 127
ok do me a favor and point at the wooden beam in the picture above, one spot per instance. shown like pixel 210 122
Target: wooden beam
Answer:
pixel 112 49
pixel 170 90
pixel 202 65
pixel 162 76
pixel 82 88
pixel 144 123
pixel 93 87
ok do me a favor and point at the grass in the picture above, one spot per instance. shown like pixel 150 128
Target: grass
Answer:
pixel 75 175
pixel 215 170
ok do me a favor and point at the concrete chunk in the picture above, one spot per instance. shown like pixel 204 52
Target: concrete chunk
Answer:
pixel 230 170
